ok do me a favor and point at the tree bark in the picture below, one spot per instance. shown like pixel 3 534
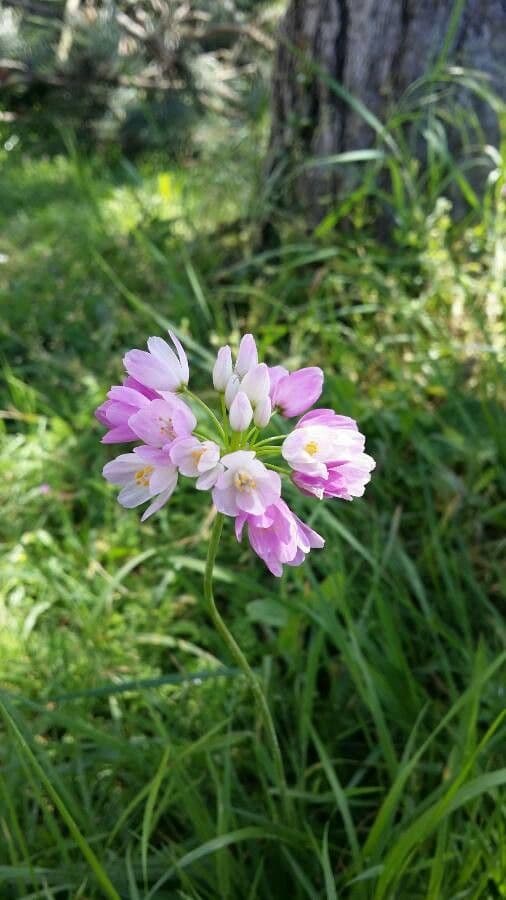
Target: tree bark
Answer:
pixel 375 49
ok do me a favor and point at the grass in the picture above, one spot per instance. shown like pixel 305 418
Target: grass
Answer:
pixel 133 763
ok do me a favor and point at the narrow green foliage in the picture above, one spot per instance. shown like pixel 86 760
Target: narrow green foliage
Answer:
pixel 90 857
pixel 134 762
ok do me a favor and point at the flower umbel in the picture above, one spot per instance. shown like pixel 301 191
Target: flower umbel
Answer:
pixel 224 452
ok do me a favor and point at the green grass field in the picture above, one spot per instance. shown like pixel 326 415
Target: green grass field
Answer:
pixel 133 763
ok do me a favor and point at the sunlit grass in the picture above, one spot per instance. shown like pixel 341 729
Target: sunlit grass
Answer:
pixel 383 657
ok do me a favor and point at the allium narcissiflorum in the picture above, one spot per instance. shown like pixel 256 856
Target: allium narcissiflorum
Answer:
pixel 225 452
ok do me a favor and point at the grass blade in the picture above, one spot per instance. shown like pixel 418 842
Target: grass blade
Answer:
pixel 90 857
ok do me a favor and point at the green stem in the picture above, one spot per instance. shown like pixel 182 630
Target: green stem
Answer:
pixel 267 451
pixel 207 410
pixel 224 417
pixel 252 435
pixel 204 437
pixel 269 440
pixel 235 440
pixel 242 663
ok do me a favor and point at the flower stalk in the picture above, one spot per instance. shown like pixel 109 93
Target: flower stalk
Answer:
pixel 242 663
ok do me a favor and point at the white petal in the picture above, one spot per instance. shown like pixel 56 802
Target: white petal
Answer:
pixel 209 478
pixel 183 361
pixel 156 504
pixel 161 350
pixel 133 495
pixel 163 479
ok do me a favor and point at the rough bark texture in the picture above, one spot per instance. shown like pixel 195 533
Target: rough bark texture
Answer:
pixel 375 49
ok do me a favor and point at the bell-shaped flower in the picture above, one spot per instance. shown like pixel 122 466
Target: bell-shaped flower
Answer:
pixel 162 421
pixel 278 536
pixel 197 459
pixel 326 452
pixel 161 368
pixel 123 401
pixel 241 412
pixel 292 393
pixel 245 485
pixel 344 480
pixel 146 474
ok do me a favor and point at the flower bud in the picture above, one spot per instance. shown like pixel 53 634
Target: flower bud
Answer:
pixel 241 412
pixel 222 368
pixel 263 413
pixel 231 389
pixel 247 356
pixel 256 384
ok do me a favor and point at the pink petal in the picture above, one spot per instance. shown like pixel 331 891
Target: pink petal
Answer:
pixel 297 391
pixel 147 369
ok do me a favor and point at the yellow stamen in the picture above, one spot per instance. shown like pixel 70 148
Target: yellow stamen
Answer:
pixel 197 455
pixel 243 481
pixel 142 476
pixel 311 447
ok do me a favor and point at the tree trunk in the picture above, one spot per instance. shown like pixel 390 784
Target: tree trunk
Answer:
pixel 375 49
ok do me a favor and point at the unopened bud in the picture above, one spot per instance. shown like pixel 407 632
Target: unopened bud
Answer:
pixel 231 389
pixel 247 356
pixel 241 412
pixel 256 384
pixel 222 368
pixel 263 413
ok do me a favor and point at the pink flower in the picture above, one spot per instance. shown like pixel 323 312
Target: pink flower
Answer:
pixel 162 421
pixel 160 368
pixel 344 480
pixel 278 536
pixel 145 474
pixel 123 401
pixel 326 452
pixel 246 485
pixel 292 393
pixel 197 459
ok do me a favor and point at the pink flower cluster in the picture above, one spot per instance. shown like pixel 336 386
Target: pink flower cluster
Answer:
pixel 325 451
